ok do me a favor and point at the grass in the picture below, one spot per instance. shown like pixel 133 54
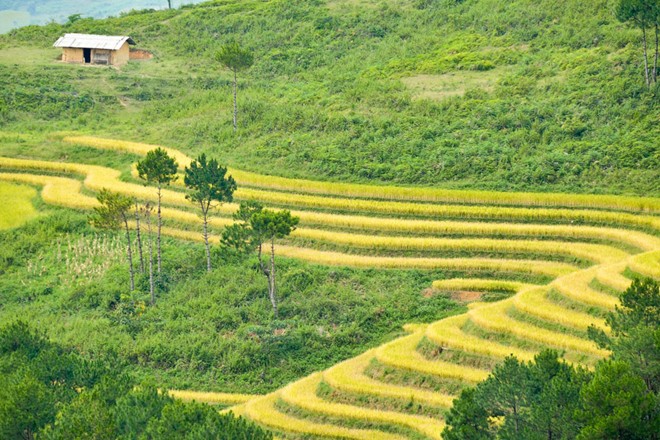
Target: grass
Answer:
pixel 16 206
pixel 535 127
pixel 438 87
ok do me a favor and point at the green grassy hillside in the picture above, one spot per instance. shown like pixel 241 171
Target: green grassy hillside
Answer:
pixel 364 118
pixel 518 95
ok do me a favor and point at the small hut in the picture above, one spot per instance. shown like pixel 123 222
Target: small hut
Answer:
pixel 94 49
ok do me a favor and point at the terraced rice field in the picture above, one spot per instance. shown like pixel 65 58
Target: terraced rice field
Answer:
pixel 556 260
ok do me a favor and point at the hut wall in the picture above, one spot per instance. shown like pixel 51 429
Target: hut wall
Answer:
pixel 72 55
pixel 121 56
pixel 101 56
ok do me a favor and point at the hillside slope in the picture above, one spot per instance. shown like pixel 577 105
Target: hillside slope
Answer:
pixel 546 267
pixel 519 95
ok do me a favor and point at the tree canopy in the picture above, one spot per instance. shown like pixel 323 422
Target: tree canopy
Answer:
pixel 208 182
pixel 51 392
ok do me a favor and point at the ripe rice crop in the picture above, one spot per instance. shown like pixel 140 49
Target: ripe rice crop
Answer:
pixel 493 317
pixel 402 353
pixel 211 397
pixel 262 410
pixel 478 285
pixel 576 287
pixel 447 333
pixel 449 211
pixel 349 376
pixel 302 394
pixel 647 264
pixel 594 252
pixel 610 275
pixel 101 177
pixel 634 204
pixel 634 238
pixel 97 178
pixel 129 147
pixel 534 302
pixel 58 191
pixel 340 259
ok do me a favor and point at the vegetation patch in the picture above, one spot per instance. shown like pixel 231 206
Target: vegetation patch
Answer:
pixel 447 85
pixel 16 206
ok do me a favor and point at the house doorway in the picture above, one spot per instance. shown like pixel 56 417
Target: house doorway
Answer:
pixel 87 55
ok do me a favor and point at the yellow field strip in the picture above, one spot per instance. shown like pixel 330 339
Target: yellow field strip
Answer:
pixel 611 276
pixel 341 259
pixel 478 285
pixel 211 397
pixel 534 302
pixel 594 252
pixel 349 376
pixel 66 192
pixel 263 411
pixel 302 394
pixel 125 146
pixel 647 264
pixel 58 191
pixel 447 333
pixel 638 239
pixel 463 211
pixel 576 287
pixel 402 353
pixel 97 177
pixel 493 317
pixel 637 204
pixel 16 206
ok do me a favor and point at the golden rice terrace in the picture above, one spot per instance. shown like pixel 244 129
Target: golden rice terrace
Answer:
pixel 582 249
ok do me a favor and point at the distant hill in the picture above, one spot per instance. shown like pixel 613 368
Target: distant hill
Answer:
pixel 16 13
pixel 518 95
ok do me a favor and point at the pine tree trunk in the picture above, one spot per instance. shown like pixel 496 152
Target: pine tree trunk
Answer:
pixel 151 257
pixel 646 59
pixel 160 224
pixel 269 274
pixel 235 101
pixel 130 253
pixel 206 241
pixel 271 279
pixel 139 237
pixel 655 59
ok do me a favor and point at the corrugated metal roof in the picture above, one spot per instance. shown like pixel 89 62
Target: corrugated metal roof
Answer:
pixel 88 41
